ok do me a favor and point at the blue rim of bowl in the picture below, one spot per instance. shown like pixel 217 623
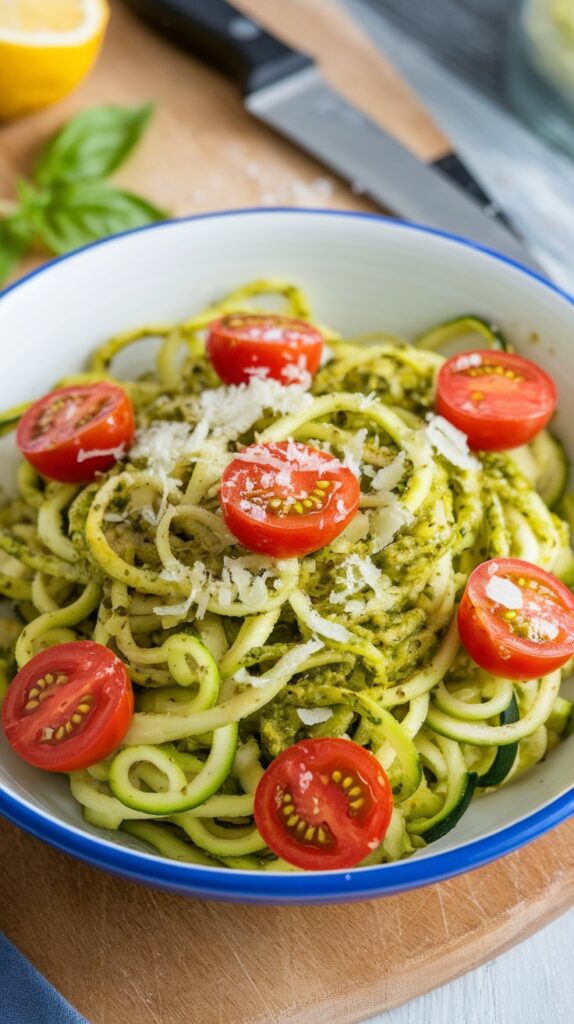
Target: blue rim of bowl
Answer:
pixel 311 887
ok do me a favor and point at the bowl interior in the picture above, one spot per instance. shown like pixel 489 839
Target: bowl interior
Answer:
pixel 361 274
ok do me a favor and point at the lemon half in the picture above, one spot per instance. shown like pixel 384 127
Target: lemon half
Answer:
pixel 46 48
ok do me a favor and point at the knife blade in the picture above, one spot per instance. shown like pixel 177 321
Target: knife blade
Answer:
pixel 284 88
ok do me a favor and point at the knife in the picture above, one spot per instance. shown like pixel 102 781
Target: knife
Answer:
pixel 284 88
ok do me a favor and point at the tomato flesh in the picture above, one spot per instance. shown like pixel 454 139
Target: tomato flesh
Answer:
pixel 286 500
pixel 243 344
pixel 324 804
pixel 70 706
pixel 498 399
pixel 72 434
pixel 516 620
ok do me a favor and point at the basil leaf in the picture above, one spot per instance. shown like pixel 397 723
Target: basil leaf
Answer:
pixel 82 213
pixel 92 144
pixel 15 236
pixel 31 198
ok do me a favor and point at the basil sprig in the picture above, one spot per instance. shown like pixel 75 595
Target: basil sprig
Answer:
pixel 68 203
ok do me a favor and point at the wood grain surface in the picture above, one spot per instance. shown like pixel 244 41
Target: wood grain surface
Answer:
pixel 122 953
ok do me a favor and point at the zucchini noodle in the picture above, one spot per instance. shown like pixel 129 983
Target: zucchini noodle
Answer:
pixel 233 654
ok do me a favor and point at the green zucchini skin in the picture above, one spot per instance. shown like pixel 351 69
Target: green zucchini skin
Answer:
pixel 177 800
pixel 450 330
pixel 505 756
pixel 166 843
pixel 461 785
pixel 440 828
pixel 10 418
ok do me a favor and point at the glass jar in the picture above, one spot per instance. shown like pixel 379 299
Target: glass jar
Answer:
pixel 540 68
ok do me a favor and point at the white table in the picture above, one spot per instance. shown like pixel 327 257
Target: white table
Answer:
pixel 530 984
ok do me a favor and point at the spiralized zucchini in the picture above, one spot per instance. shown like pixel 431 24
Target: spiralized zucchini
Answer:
pixel 231 653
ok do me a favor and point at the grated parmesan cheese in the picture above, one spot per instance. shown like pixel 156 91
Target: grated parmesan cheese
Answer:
pixel 360 574
pixel 354 452
pixel 324 627
pixel 237 582
pixel 314 716
pixel 356 531
pixel 467 359
pixel 386 479
pixel 539 631
pixel 294 455
pixel 326 355
pixel 197 578
pixel 165 443
pixel 115 517
pixel 286 667
pixel 231 410
pixel 96 453
pixel 387 521
pixel 504 592
pixel 450 442
pixel 297 373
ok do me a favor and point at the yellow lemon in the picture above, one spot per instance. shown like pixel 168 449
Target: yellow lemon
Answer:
pixel 46 48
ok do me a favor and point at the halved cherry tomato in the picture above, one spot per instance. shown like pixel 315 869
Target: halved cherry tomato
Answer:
pixel 287 499
pixel 500 400
pixel 324 804
pixel 516 620
pixel 69 707
pixel 73 433
pixel 243 344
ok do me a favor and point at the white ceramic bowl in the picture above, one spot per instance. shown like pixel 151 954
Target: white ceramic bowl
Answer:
pixel 362 273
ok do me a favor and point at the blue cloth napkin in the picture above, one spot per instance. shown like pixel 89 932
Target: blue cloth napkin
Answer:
pixel 25 995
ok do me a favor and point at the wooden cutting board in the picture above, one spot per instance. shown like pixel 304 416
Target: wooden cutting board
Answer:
pixel 124 953
pixel 121 952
